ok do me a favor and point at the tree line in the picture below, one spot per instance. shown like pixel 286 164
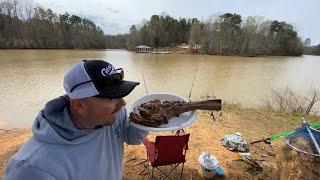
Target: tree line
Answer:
pixel 227 34
pixel 311 50
pixel 24 26
pixel 161 31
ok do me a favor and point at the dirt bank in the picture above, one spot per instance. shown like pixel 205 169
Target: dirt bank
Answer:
pixel 277 162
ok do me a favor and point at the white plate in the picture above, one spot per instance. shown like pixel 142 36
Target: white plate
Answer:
pixel 175 123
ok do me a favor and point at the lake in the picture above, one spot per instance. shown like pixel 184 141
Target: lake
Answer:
pixel 32 77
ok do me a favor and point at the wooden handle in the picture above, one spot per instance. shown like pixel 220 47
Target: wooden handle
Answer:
pixel 214 104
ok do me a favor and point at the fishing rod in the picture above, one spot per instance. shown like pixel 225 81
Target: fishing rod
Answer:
pixel 285 134
pixel 144 80
pixel 194 77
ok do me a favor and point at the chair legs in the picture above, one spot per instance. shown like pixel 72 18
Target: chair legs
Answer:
pixel 166 175
pixel 152 172
pixel 182 171
pixel 148 169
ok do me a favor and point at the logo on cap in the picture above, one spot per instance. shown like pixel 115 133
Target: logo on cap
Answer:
pixel 107 70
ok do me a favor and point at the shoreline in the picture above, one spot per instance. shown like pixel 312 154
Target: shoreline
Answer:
pixel 172 52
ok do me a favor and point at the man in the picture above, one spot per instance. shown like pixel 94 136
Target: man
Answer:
pixel 80 135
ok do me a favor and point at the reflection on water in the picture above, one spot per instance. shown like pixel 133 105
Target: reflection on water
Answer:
pixel 32 77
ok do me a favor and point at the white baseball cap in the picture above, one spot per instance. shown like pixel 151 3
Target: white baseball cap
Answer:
pixel 96 78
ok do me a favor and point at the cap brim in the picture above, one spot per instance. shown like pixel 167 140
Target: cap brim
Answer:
pixel 118 90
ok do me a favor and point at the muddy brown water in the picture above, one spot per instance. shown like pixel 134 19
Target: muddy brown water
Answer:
pixel 29 78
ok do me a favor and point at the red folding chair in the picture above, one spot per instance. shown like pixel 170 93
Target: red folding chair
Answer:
pixel 167 150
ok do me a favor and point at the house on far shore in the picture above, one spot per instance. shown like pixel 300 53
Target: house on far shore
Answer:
pixel 143 49
pixel 182 48
pixel 195 48
pixel 162 50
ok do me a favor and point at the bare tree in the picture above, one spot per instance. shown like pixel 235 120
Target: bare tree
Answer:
pixel 24 25
pixel 288 100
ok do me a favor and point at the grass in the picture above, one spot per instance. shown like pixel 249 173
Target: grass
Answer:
pixel 278 162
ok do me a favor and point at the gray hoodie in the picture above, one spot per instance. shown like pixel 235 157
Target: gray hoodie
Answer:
pixel 59 150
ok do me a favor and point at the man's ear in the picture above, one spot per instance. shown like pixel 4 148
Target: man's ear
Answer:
pixel 76 104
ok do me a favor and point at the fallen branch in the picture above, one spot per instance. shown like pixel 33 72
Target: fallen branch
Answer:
pixel 251 162
pixel 4 130
pixel 140 162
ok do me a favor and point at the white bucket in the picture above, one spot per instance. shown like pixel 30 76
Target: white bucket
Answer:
pixel 208 164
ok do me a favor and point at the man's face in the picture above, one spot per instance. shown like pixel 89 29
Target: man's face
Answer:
pixel 101 111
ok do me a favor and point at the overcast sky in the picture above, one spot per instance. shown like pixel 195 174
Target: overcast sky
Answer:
pixel 116 16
